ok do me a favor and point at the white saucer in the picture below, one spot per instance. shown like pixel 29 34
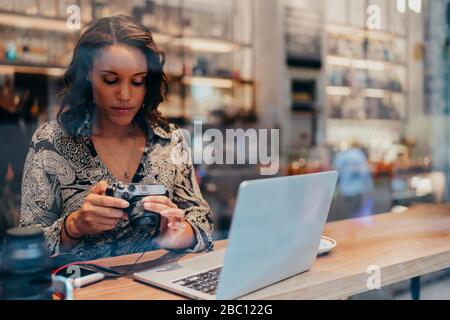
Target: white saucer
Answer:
pixel 326 244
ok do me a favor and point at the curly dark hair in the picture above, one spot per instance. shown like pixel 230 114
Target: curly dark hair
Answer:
pixel 77 96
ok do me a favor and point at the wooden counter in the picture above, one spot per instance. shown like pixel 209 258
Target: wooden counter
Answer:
pixel 402 245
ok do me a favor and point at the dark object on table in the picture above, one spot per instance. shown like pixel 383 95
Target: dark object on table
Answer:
pixel 25 267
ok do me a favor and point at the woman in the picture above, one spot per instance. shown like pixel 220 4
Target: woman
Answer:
pixel 109 130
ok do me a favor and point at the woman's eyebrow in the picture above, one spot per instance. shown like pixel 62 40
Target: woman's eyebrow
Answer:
pixel 115 73
pixel 139 73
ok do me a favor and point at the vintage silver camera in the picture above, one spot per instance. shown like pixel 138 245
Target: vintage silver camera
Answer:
pixel 139 218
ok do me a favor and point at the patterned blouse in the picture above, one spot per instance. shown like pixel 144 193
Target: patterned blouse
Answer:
pixel 60 170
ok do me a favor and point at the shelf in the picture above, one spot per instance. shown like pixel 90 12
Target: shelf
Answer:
pixel 32 69
pixel 57 71
pixel 207 45
pixel 375 65
pixel 229 82
pixel 373 120
pixel 338 91
pixel 35 22
pixel 161 39
pixel 216 82
pixel 208 82
pixel 59 25
pixel 198 44
pixel 367 93
pixel 356 32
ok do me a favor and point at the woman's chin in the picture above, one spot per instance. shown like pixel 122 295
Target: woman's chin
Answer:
pixel 122 121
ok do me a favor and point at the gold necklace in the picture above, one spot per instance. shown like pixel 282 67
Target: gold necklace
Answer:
pixel 126 173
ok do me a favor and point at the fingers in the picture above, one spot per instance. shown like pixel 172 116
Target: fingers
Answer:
pixel 163 225
pixel 164 210
pixel 156 207
pixel 100 187
pixel 160 199
pixel 172 213
pixel 171 218
pixel 106 222
pixel 99 212
pixel 108 212
pixel 104 227
pixel 178 226
pixel 99 224
pixel 105 212
pixel 105 201
pixel 171 226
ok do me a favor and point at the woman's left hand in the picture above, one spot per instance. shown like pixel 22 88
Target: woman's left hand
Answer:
pixel 175 231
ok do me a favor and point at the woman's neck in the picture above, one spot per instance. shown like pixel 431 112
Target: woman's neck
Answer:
pixel 104 128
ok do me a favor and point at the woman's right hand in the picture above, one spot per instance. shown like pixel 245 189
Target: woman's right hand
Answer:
pixel 99 213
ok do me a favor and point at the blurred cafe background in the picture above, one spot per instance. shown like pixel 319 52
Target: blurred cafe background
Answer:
pixel 361 86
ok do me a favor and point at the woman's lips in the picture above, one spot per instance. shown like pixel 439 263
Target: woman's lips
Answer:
pixel 122 110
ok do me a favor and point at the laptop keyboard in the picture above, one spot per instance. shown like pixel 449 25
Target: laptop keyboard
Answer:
pixel 205 282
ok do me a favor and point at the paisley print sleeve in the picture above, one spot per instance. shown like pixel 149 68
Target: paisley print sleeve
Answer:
pixel 187 196
pixel 41 194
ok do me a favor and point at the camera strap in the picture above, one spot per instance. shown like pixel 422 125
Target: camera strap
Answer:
pixel 65 260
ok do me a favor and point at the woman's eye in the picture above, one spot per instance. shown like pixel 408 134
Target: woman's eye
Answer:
pixel 110 81
pixel 137 83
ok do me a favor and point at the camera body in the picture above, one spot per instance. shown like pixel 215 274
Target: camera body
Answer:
pixel 139 218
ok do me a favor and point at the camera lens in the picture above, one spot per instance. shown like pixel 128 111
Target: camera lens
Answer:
pixel 25 266
pixel 148 221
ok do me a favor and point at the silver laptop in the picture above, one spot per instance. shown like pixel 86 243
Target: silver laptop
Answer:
pixel 275 234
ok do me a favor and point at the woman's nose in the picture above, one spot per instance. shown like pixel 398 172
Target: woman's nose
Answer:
pixel 124 93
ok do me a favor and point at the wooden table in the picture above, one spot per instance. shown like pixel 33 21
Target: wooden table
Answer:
pixel 402 245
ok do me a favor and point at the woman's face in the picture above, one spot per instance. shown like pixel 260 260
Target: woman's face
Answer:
pixel 118 83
